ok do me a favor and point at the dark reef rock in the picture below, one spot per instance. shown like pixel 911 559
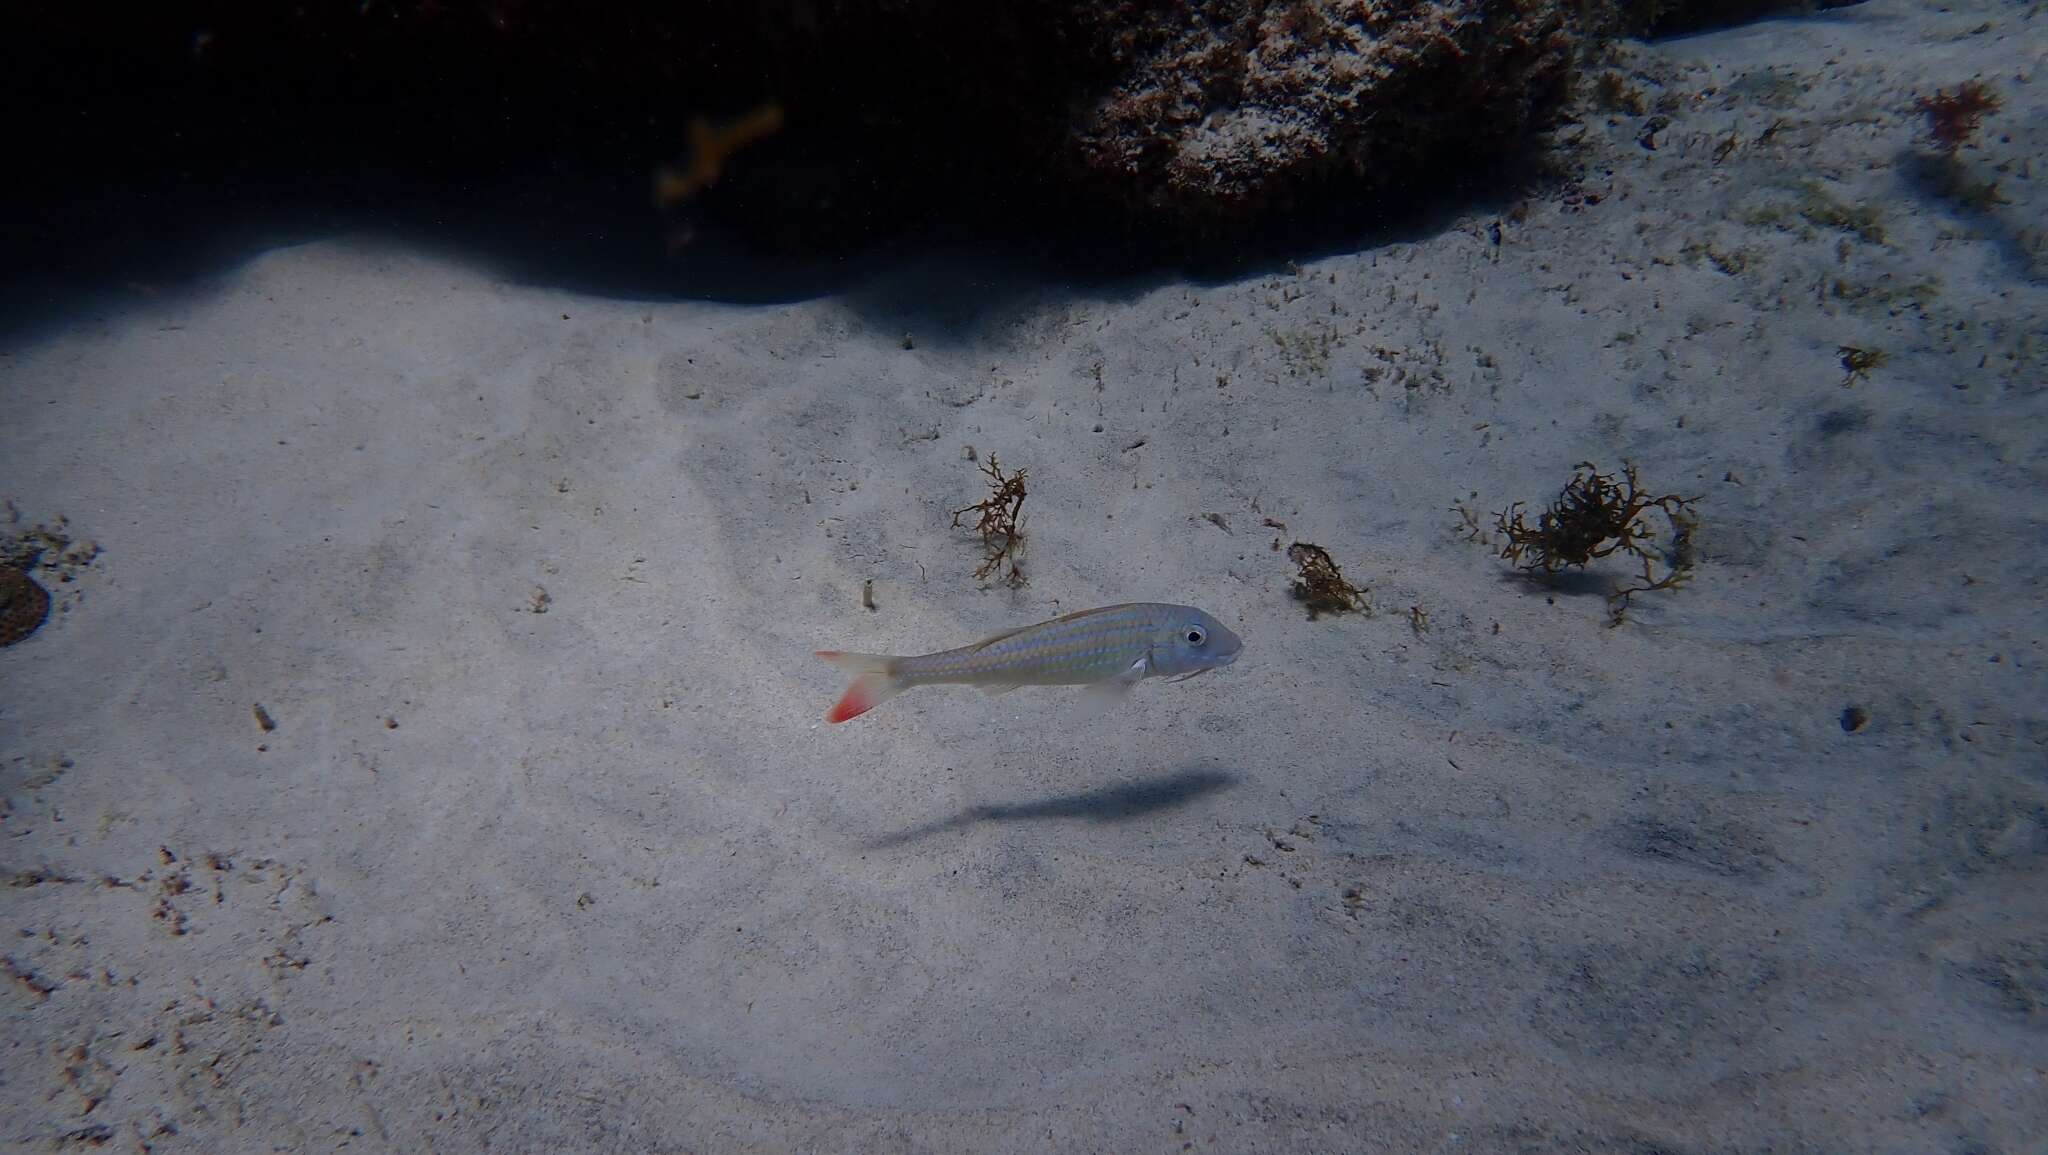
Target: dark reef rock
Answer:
pixel 24 605
pixel 1183 117
pixel 1225 116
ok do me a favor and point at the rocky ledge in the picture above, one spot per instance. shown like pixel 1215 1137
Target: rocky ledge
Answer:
pixel 809 123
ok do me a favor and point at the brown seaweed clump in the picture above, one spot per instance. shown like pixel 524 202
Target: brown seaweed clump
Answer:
pixel 24 605
pixel 1596 516
pixel 1858 363
pixel 1321 585
pixel 1001 533
pixel 1952 117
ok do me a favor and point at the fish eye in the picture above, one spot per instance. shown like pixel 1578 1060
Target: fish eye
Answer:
pixel 1195 635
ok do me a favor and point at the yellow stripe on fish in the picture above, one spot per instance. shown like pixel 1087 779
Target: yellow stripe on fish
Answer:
pixel 1108 650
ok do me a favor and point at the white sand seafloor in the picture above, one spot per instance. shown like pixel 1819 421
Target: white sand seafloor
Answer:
pixel 600 878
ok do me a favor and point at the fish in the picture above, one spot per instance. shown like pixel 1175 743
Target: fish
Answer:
pixel 1109 650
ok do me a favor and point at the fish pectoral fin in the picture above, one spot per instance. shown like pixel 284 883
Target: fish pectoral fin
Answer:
pixel 992 689
pixel 1101 697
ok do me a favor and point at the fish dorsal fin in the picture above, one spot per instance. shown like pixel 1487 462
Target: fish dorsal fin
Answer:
pixel 992 639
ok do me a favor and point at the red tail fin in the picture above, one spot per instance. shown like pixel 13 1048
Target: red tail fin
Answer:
pixel 852 704
pixel 873 683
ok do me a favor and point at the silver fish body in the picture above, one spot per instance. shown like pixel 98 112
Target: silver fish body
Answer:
pixel 1110 649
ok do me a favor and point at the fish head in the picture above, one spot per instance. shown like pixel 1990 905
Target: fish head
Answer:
pixel 1191 642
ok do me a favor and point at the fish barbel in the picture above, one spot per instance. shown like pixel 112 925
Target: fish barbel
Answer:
pixel 1109 650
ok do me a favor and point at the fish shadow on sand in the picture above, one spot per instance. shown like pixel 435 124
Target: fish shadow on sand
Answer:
pixel 1110 804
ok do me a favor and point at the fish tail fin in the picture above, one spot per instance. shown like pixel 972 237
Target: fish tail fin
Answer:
pixel 874 682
